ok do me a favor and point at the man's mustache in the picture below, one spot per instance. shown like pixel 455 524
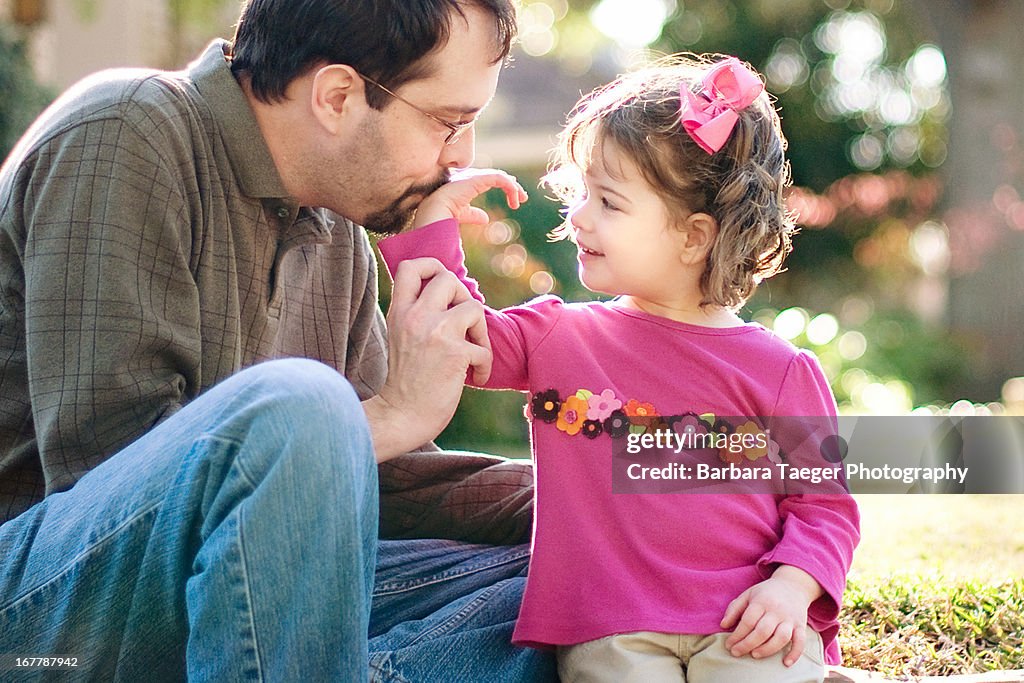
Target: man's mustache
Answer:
pixel 429 188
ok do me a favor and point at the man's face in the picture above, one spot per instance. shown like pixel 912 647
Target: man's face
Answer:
pixel 399 155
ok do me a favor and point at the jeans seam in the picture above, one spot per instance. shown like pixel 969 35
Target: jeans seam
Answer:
pixel 77 559
pixel 247 589
pixel 390 675
pixel 232 442
pixel 394 587
pixel 243 575
pixel 468 610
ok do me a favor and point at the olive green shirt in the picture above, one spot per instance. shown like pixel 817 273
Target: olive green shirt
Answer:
pixel 148 250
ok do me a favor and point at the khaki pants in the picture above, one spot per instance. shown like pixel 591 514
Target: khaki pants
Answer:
pixel 647 657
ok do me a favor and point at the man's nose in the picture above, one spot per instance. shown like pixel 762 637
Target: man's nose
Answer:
pixel 461 153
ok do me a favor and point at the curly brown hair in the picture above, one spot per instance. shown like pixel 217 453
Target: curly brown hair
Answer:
pixel 741 185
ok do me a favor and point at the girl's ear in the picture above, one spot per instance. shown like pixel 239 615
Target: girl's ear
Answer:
pixel 699 233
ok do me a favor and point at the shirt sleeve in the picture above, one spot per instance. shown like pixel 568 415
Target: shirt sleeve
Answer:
pixel 470 497
pixel 513 332
pixel 466 496
pixel 821 524
pixel 366 360
pixel 111 308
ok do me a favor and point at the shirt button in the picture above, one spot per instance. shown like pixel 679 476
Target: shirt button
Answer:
pixel 283 212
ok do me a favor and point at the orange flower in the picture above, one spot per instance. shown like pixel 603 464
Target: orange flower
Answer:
pixel 635 408
pixel 643 416
pixel 572 415
pixel 730 456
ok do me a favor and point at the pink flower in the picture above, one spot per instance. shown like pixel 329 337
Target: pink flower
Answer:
pixel 601 407
pixel 689 425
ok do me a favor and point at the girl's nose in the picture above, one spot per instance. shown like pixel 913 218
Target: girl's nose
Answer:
pixel 577 219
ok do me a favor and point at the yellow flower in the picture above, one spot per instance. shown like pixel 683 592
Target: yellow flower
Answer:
pixel 756 444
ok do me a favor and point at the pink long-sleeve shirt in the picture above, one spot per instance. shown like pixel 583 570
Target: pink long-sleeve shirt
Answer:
pixel 605 562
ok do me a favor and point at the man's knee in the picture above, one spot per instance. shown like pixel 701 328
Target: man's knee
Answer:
pixel 300 380
pixel 304 411
pixel 302 393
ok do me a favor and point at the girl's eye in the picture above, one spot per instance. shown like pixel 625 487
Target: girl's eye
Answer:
pixel 608 205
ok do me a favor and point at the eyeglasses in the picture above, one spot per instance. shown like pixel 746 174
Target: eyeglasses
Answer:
pixel 456 130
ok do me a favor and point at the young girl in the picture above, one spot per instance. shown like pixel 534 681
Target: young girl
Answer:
pixel 673 177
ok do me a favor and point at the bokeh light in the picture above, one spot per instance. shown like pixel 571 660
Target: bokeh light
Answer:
pixel 537 32
pixel 852 345
pixel 786 67
pixel 927 68
pixel 632 23
pixel 790 323
pixel 510 262
pixel 822 329
pixel 892 397
pixel 542 282
pixel 890 103
pixel 929 248
pixel 499 232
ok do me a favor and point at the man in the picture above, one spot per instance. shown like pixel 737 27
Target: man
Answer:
pixel 174 507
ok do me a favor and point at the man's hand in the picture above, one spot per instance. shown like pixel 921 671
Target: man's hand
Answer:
pixel 771 614
pixel 436 331
pixel 452 200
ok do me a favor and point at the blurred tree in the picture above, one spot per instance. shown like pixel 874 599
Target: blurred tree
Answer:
pixel 985 182
pixel 23 98
pixel 190 23
pixel 184 18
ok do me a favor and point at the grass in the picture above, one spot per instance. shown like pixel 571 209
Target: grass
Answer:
pixel 911 627
pixel 937 586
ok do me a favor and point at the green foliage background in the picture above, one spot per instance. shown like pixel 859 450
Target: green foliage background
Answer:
pixel 22 97
pixel 913 358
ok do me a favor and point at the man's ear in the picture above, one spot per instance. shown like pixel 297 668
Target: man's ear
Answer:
pixel 337 93
pixel 699 233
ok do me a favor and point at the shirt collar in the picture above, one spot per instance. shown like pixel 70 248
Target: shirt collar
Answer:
pixel 247 150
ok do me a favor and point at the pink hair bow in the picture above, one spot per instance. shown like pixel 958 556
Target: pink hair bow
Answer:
pixel 710 115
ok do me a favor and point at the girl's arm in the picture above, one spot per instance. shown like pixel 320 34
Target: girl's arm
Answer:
pixel 512 332
pixel 806 571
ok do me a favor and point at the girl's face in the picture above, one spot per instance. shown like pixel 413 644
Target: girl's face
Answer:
pixel 626 238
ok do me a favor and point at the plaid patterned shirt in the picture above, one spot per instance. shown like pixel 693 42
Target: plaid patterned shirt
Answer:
pixel 148 250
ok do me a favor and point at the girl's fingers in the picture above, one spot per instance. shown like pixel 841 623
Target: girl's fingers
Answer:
pixel 474 216
pixel 735 610
pixel 799 641
pixel 480 180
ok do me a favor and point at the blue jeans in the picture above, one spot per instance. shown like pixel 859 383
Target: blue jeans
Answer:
pixel 444 611
pixel 238 541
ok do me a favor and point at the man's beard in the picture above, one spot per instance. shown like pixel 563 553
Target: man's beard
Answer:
pixel 395 218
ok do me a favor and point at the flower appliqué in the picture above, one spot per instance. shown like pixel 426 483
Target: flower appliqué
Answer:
pixel 592 414
pixel 592 429
pixel 572 415
pixel 545 405
pixel 601 406
pixel 617 424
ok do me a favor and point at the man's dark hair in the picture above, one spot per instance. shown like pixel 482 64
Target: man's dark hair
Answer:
pixel 278 40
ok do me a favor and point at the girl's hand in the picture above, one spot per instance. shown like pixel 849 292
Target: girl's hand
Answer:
pixel 772 614
pixel 452 200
